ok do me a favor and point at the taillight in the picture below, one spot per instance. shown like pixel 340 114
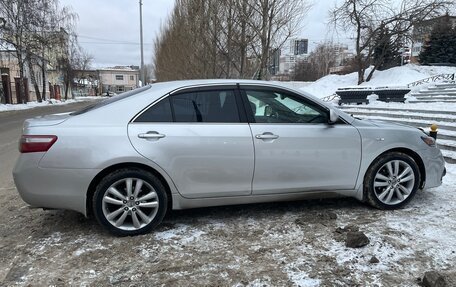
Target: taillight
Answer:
pixel 36 143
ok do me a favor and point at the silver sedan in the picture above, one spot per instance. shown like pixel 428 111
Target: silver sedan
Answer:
pixel 177 145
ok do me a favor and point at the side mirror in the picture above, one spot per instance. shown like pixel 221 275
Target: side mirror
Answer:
pixel 333 117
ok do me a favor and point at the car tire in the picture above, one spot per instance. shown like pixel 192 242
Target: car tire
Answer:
pixel 391 181
pixel 130 202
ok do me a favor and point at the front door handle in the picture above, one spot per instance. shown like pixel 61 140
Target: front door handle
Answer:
pixel 267 136
pixel 151 135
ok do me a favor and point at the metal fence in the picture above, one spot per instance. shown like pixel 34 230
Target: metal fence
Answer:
pixel 437 78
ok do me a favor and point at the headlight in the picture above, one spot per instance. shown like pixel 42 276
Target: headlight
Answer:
pixel 428 140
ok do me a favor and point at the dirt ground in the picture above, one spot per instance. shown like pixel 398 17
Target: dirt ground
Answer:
pixel 279 244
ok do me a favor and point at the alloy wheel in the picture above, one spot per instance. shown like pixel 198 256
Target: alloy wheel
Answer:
pixel 130 204
pixel 394 182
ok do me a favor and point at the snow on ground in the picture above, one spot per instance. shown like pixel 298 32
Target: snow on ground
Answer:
pixel 276 244
pixel 397 76
pixel 434 106
pixel 293 84
pixel 31 105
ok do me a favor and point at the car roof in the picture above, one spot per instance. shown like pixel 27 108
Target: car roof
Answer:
pixel 126 108
pixel 172 85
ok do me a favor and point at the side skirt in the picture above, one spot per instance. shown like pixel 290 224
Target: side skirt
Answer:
pixel 180 202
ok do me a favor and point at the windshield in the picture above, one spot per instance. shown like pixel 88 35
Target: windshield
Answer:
pixel 110 100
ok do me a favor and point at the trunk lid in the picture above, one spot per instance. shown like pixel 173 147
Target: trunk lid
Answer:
pixel 47 120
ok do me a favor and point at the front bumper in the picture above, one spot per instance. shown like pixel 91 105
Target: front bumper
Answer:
pixel 434 167
pixel 49 187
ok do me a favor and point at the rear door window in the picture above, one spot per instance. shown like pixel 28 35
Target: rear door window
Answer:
pixel 217 106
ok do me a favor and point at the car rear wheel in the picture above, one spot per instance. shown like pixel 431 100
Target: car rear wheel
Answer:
pixel 130 202
pixel 392 181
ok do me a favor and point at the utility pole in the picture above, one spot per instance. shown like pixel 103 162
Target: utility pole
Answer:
pixel 143 76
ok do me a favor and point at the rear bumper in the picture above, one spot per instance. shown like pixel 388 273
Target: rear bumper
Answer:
pixel 51 188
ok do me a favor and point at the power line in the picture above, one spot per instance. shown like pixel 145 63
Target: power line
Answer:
pixel 109 40
pixel 114 43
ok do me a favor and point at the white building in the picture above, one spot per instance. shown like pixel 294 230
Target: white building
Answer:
pixel 288 62
pixel 118 79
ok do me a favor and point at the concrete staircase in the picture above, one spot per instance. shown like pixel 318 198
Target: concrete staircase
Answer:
pixel 446 121
pixel 442 92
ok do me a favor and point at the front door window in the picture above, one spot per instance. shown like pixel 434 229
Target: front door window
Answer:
pixel 278 107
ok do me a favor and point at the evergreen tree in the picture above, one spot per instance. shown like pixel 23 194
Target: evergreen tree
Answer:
pixel 386 50
pixel 441 44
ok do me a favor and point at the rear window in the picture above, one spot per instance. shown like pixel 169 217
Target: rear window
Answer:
pixel 160 112
pixel 110 100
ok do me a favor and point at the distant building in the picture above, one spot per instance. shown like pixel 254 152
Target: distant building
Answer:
pixel 9 71
pixel 118 79
pixel 299 46
pixel 45 66
pixel 274 62
pixel 422 30
pixel 288 63
pixel 343 54
pixel 342 57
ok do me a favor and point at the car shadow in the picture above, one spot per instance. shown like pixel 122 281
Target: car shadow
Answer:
pixel 257 211
pixel 69 221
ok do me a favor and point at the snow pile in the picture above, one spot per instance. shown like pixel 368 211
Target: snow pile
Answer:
pixel 294 84
pixel 397 76
pixel 30 105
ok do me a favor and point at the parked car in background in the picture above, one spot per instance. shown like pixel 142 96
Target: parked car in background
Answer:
pixel 188 144
pixel 109 94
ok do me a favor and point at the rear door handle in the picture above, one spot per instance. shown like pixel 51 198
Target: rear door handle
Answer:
pixel 267 136
pixel 151 135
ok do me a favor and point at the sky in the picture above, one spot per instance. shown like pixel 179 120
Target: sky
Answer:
pixel 109 29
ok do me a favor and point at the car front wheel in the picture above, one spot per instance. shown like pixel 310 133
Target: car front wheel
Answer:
pixel 130 202
pixel 392 181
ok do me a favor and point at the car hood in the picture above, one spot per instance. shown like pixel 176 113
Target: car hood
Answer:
pixel 47 120
pixel 382 124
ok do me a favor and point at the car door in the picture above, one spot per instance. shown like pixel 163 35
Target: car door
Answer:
pixel 200 139
pixel 295 147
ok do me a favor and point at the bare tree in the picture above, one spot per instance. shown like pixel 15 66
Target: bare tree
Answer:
pixel 55 24
pixel 30 28
pixel 224 38
pixel 76 59
pixel 317 64
pixel 323 58
pixel 19 20
pixel 82 62
pixel 273 23
pixel 366 19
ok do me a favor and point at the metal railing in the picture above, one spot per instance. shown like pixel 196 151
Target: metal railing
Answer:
pixel 441 77
pixel 331 98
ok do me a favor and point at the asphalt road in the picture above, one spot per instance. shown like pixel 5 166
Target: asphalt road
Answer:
pixel 10 131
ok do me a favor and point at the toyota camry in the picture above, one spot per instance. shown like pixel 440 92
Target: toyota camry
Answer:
pixel 186 144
